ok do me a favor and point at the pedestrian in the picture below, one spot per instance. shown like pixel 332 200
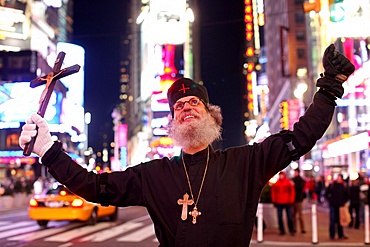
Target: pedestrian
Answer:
pixel 354 203
pixel 8 187
pixel 299 184
pixel 319 188
pixel 265 197
pixel 282 196
pixel 220 190
pixel 310 188
pixel 337 196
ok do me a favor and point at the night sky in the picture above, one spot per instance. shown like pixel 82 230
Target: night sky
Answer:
pixel 98 27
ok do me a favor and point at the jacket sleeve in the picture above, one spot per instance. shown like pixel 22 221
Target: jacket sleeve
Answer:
pixel 273 153
pixel 273 195
pixel 122 188
pixel 328 192
pixel 314 123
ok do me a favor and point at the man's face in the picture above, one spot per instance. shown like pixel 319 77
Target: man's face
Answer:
pixel 192 125
pixel 188 109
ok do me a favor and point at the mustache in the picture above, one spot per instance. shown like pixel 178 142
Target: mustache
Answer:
pixel 187 113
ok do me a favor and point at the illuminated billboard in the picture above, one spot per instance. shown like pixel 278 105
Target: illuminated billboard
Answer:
pixel 166 55
pixel 12 19
pixel 65 110
pixel 73 105
pixel 18 100
pixel 167 22
pixel 347 19
pixel 353 107
pixel 356 50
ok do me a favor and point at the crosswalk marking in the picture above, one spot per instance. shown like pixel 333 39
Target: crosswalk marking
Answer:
pixel 67 236
pixel 15 225
pixel 142 218
pixel 11 215
pixel 15 232
pixel 68 233
pixel 111 232
pixel 43 233
pixel 139 235
pixel 66 245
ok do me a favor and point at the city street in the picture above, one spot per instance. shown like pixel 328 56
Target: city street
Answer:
pixel 271 237
pixel 134 229
pixel 188 108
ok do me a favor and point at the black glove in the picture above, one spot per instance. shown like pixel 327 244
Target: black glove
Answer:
pixel 337 69
pixel 331 85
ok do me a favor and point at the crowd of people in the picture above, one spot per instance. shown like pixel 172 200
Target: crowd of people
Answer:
pixel 15 191
pixel 289 193
pixel 11 186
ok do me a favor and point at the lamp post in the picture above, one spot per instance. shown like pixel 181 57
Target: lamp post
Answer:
pixel 87 122
pixel 298 93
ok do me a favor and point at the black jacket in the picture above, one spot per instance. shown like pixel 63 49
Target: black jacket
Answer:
pixel 299 184
pixel 231 191
pixel 354 195
pixel 337 194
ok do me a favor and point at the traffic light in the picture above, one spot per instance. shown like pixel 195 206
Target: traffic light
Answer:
pixel 284 120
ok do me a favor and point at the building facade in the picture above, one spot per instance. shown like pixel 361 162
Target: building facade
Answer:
pixel 32 33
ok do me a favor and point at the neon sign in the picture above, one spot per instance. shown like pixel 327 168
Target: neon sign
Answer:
pixel 249 54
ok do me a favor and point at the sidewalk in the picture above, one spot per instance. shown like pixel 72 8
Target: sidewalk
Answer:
pixel 13 202
pixel 271 237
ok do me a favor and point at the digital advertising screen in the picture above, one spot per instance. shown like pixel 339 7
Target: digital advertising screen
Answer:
pixel 18 101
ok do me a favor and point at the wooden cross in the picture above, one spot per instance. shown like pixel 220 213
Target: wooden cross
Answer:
pixel 185 202
pixel 50 80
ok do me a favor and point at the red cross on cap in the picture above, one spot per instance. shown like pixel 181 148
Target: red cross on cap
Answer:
pixel 183 88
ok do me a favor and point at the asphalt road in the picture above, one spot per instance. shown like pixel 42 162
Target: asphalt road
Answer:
pixel 132 229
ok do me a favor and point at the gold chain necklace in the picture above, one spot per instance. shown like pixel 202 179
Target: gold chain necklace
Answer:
pixel 195 213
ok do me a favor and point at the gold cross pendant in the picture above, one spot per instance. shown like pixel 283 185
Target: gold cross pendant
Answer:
pixel 195 213
pixel 185 201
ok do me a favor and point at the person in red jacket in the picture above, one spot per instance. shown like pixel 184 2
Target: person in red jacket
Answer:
pixel 310 188
pixel 282 196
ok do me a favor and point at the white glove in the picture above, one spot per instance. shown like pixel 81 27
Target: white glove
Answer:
pixel 43 140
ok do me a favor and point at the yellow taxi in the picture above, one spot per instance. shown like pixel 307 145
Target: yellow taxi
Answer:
pixel 58 203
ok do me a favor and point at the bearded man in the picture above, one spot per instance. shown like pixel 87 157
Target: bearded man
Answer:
pixel 203 197
pixel 201 129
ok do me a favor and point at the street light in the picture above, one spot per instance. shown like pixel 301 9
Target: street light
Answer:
pixel 300 90
pixel 298 93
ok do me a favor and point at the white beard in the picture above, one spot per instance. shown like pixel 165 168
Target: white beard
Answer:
pixel 196 133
